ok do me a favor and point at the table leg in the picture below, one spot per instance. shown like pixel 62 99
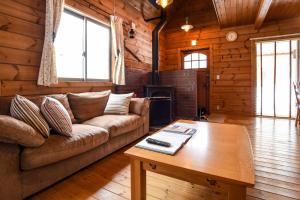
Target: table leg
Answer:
pixel 237 193
pixel 138 180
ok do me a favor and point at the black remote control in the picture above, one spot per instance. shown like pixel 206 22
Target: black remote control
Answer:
pixel 158 142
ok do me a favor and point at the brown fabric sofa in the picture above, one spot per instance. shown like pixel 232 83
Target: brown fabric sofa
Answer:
pixel 27 170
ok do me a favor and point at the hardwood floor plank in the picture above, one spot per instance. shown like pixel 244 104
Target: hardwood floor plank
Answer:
pixel 276 145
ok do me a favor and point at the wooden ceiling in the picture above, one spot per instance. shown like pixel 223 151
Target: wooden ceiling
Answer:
pixel 228 12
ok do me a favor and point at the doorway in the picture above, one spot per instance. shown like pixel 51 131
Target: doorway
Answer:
pixel 277 67
pixel 199 60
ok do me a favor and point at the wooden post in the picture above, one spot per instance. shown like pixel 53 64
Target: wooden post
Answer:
pixel 138 180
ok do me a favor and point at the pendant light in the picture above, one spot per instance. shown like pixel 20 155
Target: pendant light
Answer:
pixel 186 27
pixel 164 3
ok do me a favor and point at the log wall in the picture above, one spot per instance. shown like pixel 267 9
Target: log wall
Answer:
pixel 21 40
pixel 234 91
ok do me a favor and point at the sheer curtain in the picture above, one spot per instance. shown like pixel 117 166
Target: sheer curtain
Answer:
pixel 118 62
pixel 47 72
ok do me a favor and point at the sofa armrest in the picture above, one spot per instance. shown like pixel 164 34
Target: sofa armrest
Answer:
pixel 10 181
pixel 139 106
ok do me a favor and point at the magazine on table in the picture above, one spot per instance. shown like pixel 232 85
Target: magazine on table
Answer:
pixel 180 129
pixel 176 142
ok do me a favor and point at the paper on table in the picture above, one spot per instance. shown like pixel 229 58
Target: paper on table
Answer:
pixel 176 141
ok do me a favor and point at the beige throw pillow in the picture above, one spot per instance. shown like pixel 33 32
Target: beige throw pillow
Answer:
pixel 118 104
pixel 86 106
pixel 26 111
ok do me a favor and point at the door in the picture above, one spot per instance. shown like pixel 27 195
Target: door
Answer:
pixel 199 60
pixel 277 67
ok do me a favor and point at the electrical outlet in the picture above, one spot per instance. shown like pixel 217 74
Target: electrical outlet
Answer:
pixel 218 77
pixel 218 107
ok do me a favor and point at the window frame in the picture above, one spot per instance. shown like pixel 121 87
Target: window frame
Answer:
pixel 87 18
pixel 190 52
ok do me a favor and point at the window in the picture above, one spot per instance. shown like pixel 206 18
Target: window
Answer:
pixel 82 48
pixel 195 61
pixel 277 67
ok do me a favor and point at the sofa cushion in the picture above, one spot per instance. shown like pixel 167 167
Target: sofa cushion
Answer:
pixel 17 132
pixel 57 116
pixel 139 106
pixel 86 106
pixel 116 124
pixel 23 109
pixel 57 148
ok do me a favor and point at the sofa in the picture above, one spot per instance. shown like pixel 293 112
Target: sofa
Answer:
pixel 25 171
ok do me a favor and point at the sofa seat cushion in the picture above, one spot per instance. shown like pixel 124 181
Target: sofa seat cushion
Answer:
pixel 116 124
pixel 57 148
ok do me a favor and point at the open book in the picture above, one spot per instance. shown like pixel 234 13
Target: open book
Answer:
pixel 176 141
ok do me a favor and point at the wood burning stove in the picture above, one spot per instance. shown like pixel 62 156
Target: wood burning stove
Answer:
pixel 162 100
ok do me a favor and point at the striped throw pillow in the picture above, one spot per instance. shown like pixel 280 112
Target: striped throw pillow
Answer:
pixel 118 104
pixel 26 111
pixel 57 116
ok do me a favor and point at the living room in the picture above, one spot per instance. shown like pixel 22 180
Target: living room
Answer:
pixel 149 99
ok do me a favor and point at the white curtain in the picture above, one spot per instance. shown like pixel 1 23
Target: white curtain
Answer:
pixel 118 62
pixel 47 72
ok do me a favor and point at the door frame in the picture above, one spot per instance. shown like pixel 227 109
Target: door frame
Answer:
pixel 253 62
pixel 210 66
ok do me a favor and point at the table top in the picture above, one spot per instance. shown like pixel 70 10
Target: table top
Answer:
pixel 222 151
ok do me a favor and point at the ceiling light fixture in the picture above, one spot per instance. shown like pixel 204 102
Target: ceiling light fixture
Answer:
pixel 164 3
pixel 186 27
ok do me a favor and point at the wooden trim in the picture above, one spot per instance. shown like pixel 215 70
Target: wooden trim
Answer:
pixel 262 12
pixel 277 37
pixel 82 84
pixel 253 75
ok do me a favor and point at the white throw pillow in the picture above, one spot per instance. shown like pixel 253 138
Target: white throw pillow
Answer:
pixel 118 104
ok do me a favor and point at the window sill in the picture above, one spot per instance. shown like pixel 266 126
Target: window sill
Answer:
pixel 64 84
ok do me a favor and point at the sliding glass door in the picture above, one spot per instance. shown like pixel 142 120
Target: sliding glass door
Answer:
pixel 277 67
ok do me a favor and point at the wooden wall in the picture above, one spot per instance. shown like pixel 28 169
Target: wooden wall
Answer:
pixel 234 92
pixel 21 41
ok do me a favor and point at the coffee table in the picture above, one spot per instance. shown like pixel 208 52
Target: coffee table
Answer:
pixel 218 156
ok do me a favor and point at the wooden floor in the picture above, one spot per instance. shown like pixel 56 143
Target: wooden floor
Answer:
pixel 276 147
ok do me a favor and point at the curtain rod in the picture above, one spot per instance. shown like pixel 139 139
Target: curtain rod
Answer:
pixel 294 35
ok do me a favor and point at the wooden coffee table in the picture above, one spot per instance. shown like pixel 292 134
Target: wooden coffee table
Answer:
pixel 219 156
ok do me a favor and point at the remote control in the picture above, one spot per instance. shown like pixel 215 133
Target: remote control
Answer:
pixel 158 142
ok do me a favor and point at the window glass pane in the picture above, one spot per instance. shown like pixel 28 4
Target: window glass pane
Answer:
pixel 203 56
pixel 98 51
pixel 268 85
pixel 188 57
pixel 195 56
pixel 69 46
pixel 283 47
pixel 195 64
pixel 203 64
pixel 187 65
pixel 258 48
pixel 282 91
pixel 268 48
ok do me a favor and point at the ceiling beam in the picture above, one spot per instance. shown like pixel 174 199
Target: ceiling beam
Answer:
pixel 262 12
